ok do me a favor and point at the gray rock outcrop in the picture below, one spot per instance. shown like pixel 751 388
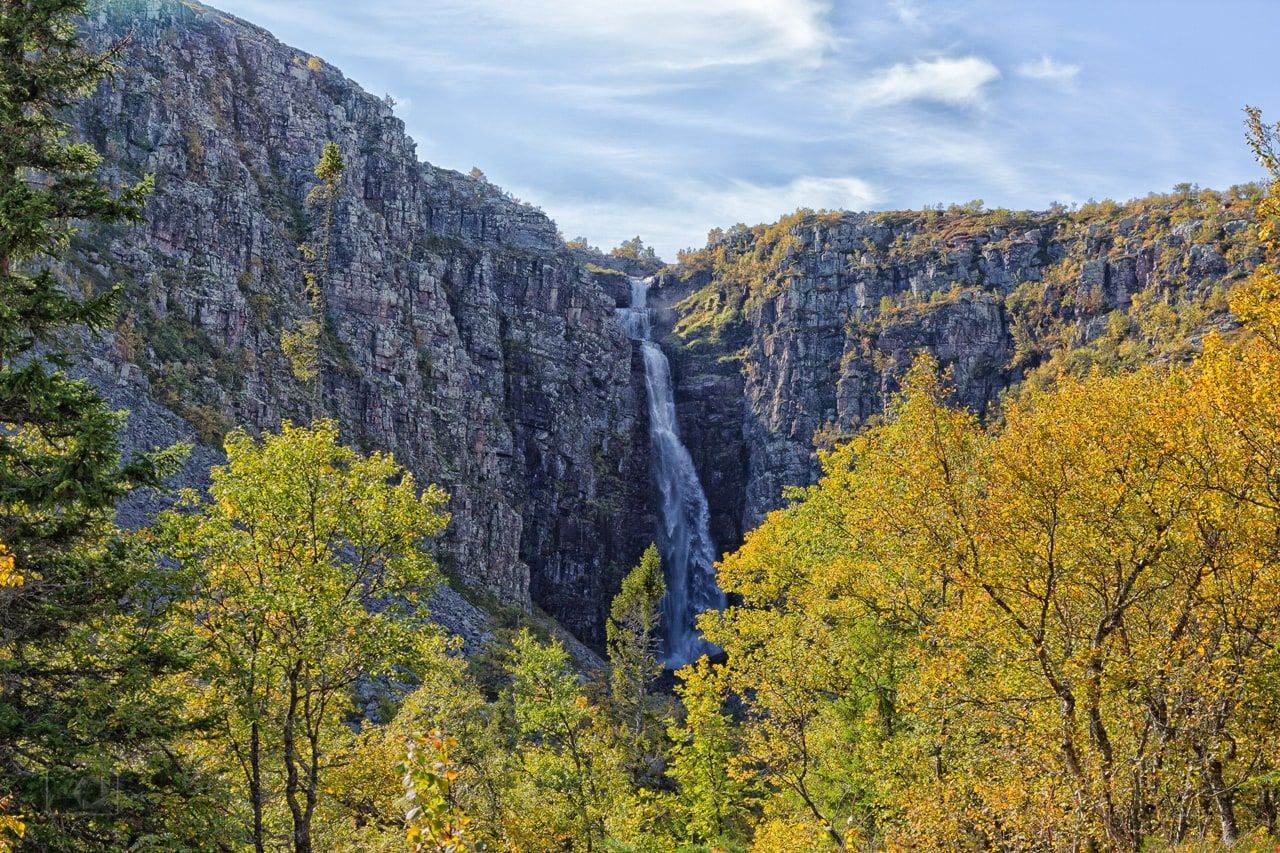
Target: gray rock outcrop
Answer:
pixel 789 337
pixel 460 333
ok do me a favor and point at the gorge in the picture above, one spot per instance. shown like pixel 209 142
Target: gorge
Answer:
pixel 544 386
pixel 346 504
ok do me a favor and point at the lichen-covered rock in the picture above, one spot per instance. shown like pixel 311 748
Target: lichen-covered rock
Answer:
pixel 785 338
pixel 460 333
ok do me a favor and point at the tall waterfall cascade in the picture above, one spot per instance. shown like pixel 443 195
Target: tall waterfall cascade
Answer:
pixel 683 538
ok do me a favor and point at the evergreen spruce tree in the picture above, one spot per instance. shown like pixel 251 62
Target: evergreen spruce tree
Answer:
pixel 83 724
pixel 634 644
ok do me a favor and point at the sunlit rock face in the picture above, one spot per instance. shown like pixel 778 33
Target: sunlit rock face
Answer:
pixel 839 305
pixel 461 334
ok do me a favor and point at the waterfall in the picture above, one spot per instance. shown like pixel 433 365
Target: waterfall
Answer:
pixel 688 555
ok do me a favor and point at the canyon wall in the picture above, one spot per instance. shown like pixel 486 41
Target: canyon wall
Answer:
pixel 789 337
pixel 460 333
pixel 463 335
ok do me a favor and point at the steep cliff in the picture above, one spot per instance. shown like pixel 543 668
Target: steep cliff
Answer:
pixel 460 333
pixel 790 336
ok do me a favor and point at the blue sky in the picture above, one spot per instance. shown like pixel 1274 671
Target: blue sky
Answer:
pixel 666 118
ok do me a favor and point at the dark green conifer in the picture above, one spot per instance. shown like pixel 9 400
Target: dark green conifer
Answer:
pixel 83 726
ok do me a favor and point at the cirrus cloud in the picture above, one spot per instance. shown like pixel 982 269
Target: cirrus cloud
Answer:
pixel 952 81
pixel 683 212
pixel 672 35
pixel 668 117
pixel 1047 69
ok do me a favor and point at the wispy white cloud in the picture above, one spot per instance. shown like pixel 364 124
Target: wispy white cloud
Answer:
pixel 449 59
pixel 907 13
pixel 914 146
pixel 669 117
pixel 946 80
pixel 611 91
pixel 688 210
pixel 662 34
pixel 1046 68
pixel 744 201
pixel 596 52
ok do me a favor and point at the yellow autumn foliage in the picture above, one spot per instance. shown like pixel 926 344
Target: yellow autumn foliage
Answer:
pixel 1060 630
pixel 12 826
pixel 9 575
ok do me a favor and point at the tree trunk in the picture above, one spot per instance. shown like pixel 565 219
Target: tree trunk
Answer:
pixel 313 778
pixel 255 785
pixel 1222 800
pixel 1267 807
pixel 293 782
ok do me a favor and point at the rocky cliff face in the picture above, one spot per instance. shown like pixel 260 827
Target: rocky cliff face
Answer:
pixel 464 336
pixel 788 337
pixel 460 333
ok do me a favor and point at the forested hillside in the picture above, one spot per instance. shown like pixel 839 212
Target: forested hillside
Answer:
pixel 1000 493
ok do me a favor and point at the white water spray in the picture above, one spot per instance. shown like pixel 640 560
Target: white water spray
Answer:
pixel 688 555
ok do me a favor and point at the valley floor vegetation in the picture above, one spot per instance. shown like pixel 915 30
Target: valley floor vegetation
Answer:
pixel 1058 629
